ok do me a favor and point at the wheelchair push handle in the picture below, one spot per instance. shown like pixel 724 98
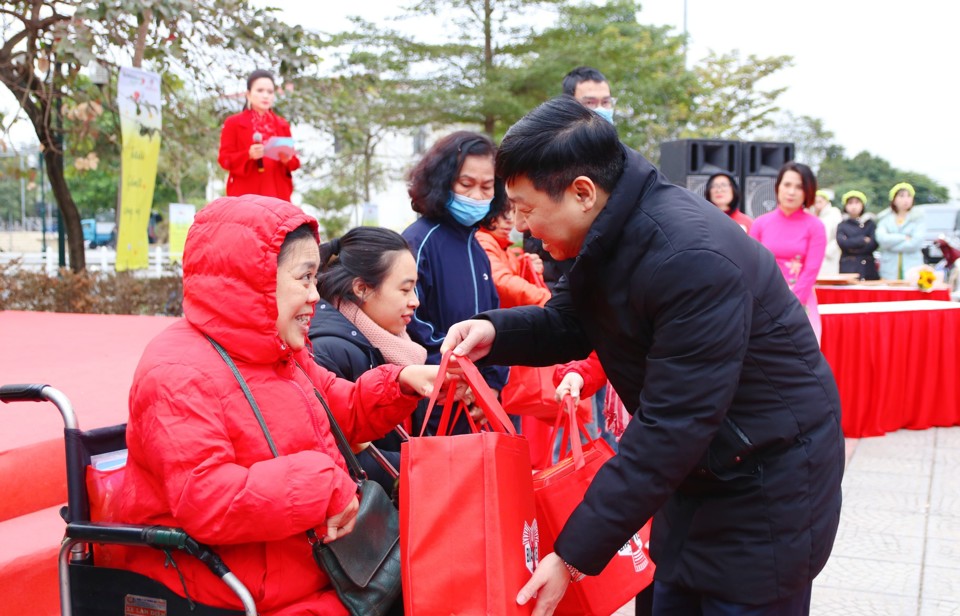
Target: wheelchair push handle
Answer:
pixel 26 392
pixel 39 392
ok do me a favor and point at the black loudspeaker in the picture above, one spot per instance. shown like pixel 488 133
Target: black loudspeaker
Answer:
pixel 691 162
pixel 761 164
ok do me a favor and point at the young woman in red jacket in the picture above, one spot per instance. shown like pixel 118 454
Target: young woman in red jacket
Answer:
pixel 242 145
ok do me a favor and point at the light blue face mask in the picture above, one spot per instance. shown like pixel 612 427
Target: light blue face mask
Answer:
pixel 467 211
pixel 606 114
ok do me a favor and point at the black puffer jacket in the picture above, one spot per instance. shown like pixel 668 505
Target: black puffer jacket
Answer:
pixel 858 240
pixel 736 442
pixel 339 346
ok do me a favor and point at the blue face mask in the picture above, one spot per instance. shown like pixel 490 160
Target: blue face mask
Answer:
pixel 606 114
pixel 467 211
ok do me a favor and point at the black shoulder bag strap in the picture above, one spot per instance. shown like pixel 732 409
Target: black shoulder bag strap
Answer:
pixel 356 471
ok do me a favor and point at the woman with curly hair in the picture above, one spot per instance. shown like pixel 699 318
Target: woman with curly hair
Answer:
pixel 453 188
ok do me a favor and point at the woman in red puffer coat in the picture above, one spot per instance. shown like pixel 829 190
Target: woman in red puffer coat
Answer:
pixel 199 460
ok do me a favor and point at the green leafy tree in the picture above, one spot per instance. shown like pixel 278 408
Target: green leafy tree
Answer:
pixel 811 138
pixel 334 205
pixel 874 177
pixel 644 65
pixel 729 103
pixel 471 84
pixel 46 42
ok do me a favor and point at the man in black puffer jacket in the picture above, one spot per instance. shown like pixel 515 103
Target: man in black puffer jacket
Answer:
pixel 735 444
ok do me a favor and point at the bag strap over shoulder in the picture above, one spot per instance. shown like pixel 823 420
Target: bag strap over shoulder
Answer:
pixel 356 471
pixel 246 392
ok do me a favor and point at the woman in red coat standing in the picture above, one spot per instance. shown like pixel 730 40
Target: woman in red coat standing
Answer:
pixel 242 145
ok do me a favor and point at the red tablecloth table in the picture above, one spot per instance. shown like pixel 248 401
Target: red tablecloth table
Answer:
pixel 850 294
pixel 895 363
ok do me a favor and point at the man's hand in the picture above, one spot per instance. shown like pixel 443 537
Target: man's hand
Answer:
pixel 471 339
pixel 342 524
pixel 547 585
pixel 571 385
pixel 418 380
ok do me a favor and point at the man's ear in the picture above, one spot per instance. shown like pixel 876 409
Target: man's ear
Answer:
pixel 585 192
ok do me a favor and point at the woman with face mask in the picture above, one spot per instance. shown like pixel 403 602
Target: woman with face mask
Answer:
pixel 453 188
pixel 242 149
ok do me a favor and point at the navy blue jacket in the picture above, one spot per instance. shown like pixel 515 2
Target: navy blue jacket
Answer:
pixel 454 284
pixel 735 442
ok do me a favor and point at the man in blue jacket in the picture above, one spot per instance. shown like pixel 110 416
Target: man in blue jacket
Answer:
pixel 735 444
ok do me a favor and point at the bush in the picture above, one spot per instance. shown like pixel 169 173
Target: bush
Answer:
pixel 90 292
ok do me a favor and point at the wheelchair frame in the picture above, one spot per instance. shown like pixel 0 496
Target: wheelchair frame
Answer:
pixel 81 533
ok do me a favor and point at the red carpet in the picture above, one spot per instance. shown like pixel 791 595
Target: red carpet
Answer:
pixel 91 359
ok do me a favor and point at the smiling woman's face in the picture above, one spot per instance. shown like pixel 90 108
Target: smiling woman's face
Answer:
pixel 297 292
pixel 391 305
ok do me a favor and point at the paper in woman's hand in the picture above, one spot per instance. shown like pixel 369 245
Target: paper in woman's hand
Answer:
pixel 275 146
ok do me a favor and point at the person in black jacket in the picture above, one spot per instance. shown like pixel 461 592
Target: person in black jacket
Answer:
pixel 367 287
pixel 735 444
pixel 857 237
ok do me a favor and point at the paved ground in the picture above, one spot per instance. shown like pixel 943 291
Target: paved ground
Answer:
pixel 898 547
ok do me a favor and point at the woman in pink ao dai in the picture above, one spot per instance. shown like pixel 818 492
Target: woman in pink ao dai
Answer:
pixel 796 238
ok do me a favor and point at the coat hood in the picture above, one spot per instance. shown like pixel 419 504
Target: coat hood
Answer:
pixel 230 273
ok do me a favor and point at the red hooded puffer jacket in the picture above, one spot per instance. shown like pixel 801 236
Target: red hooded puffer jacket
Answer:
pixel 197 456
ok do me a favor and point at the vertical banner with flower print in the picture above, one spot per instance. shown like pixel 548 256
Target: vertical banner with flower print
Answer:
pixel 181 217
pixel 138 97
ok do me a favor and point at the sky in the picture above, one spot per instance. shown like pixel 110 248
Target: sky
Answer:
pixel 882 75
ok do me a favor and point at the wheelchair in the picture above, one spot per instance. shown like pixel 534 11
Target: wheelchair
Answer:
pixel 90 590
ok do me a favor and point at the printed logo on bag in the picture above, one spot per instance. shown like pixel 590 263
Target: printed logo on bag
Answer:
pixel 531 545
pixel 634 549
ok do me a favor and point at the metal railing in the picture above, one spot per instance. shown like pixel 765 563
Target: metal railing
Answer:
pixel 101 259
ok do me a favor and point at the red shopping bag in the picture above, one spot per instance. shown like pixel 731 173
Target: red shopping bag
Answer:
pixel 468 532
pixel 558 491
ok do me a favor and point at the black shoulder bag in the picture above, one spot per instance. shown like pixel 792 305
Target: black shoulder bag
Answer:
pixel 364 566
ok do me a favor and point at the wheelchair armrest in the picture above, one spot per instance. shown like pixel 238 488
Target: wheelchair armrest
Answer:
pixel 159 537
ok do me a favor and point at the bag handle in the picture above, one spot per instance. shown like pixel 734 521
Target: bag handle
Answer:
pixel 356 471
pixel 527 272
pixel 573 428
pixel 486 400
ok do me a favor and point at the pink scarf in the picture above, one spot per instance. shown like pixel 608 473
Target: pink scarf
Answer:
pixel 398 350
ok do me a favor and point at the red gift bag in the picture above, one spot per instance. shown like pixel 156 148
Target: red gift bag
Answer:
pixel 468 532
pixel 558 491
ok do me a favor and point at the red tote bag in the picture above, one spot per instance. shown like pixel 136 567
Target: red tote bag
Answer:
pixel 558 491
pixel 529 390
pixel 468 531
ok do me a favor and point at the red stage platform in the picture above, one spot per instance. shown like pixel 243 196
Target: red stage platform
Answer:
pixel 91 359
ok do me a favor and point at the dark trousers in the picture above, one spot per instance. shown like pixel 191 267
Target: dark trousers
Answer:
pixel 676 601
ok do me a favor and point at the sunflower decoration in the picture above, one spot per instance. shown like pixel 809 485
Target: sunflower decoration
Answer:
pixel 926 278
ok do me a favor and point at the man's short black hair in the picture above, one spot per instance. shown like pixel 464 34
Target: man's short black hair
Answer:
pixel 557 142
pixel 578 76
